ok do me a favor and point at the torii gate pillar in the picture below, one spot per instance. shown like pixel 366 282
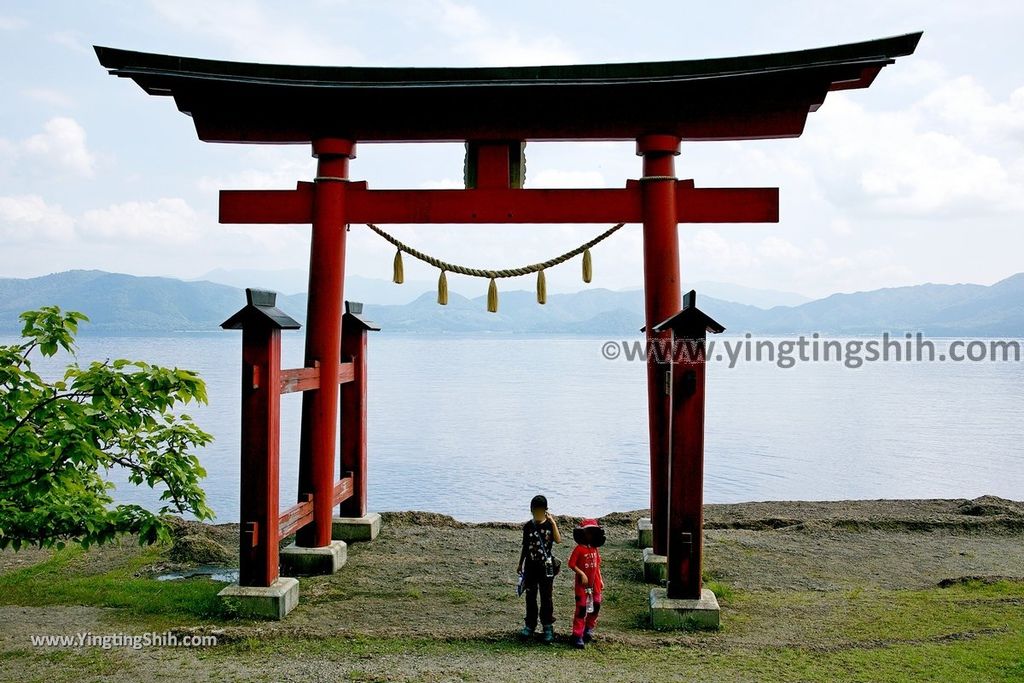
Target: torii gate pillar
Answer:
pixel 661 300
pixel 684 602
pixel 317 450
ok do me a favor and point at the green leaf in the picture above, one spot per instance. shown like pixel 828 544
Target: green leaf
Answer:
pixel 60 440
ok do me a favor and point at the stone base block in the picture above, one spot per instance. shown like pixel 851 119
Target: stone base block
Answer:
pixel 655 567
pixel 350 529
pixel 296 561
pixel 667 613
pixel 644 532
pixel 256 602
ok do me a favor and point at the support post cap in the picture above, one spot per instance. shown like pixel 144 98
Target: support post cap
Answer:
pixel 689 321
pixel 260 311
pixel 353 315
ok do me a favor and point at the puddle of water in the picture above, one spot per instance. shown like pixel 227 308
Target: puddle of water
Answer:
pixel 221 574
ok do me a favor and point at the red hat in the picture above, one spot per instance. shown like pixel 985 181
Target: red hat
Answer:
pixel 589 532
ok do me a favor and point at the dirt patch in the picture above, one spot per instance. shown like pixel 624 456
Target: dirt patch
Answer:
pixel 990 506
pixel 987 514
pixel 11 561
pixel 195 543
pixel 20 623
pixel 224 534
pixel 199 549
pixel 419 518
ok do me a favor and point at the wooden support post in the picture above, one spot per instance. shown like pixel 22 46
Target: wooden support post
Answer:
pixel 686 475
pixel 353 414
pixel 317 450
pixel 495 165
pixel 661 300
pixel 261 324
pixel 261 437
pixel 685 537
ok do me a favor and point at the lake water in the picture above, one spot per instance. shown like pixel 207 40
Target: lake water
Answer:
pixel 474 427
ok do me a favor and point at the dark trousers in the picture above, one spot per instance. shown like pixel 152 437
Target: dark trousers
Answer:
pixel 538 583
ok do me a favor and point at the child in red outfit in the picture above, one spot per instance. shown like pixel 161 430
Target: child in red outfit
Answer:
pixel 585 561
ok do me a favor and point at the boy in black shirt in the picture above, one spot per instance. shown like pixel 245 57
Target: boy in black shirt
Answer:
pixel 538 567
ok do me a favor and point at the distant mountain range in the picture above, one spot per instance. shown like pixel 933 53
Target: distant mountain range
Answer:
pixel 378 291
pixel 117 303
pixel 296 280
pixel 125 304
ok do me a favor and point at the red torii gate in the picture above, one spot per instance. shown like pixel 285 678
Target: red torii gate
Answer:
pixel 496 111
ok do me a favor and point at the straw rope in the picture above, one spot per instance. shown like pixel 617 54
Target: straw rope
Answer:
pixel 492 288
pixel 502 273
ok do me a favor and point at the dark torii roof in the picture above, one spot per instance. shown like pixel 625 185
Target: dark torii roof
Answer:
pixel 762 96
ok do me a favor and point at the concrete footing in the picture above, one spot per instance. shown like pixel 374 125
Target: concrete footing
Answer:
pixel 296 561
pixel 644 533
pixel 667 613
pixel 655 567
pixel 350 529
pixel 256 602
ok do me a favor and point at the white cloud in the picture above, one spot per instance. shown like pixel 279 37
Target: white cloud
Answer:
pixel 717 253
pixel 931 173
pixel 72 40
pixel 284 177
pixel 169 221
pixel 841 226
pixel 965 105
pixel 917 72
pixel 29 219
pixel 860 270
pixel 777 249
pixel 922 162
pixel 483 43
pixel 264 167
pixel 12 24
pixel 253 32
pixel 61 145
pixel 554 178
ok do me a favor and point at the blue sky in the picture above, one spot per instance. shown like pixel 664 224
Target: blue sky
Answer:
pixel 919 178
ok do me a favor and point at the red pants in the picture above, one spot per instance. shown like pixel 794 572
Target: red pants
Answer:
pixel 580 619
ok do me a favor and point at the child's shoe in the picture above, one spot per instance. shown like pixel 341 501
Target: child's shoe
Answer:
pixel 526 632
pixel 549 633
pixel 578 643
pixel 588 635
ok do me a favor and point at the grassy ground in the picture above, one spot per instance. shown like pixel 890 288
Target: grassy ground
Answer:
pixel 824 596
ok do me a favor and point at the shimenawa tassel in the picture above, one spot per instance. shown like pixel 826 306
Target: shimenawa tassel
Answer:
pixel 542 288
pixel 492 296
pixel 399 276
pixel 442 289
pixel 588 267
